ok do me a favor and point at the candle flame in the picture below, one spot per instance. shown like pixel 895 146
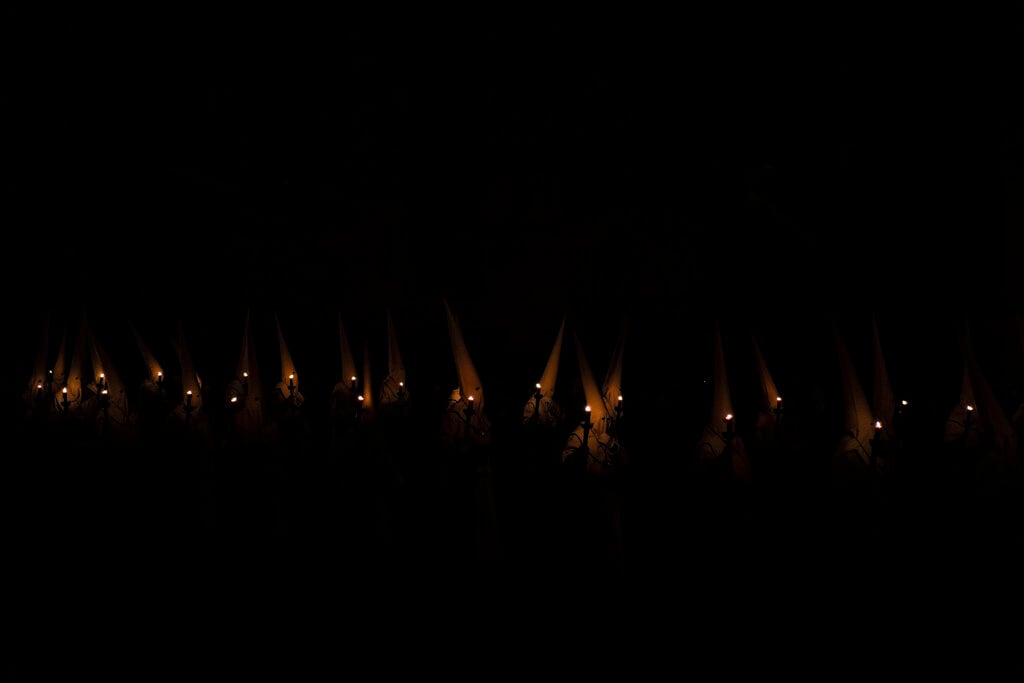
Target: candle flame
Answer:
pixel 401 384
pixel 245 373
pixel 728 416
pixel 778 399
pixel 903 402
pixel 39 387
pixel 64 390
pixel 234 399
pixel 188 393
pixel 104 392
pixel 470 399
pixel 353 378
pixel 970 407
pixel 878 424
pixel 587 409
pixel 291 375
pixel 361 397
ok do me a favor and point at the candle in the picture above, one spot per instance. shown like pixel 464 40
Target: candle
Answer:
pixel 245 374
pixel 728 423
pixel 188 398
pixel 353 378
pixel 586 417
pixel 64 398
pixel 778 401
pixel 291 381
pixel 234 399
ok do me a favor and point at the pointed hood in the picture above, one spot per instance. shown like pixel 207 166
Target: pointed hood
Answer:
pixel 369 405
pixel 769 390
pixel 288 372
pixel 348 362
pixel 988 415
pixel 883 401
pixel 469 380
pixel 114 386
pixel 858 419
pixel 611 389
pixel 393 389
pixel 190 380
pixel 550 412
pixel 154 369
pixel 721 399
pixel 40 371
pixel 246 387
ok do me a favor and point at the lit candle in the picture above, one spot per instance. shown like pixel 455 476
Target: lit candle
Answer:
pixel 360 398
pixel 586 417
pixel 291 381
pixel 353 378
pixel 728 423
pixel 234 399
pixel 188 398
pixel 245 374
pixel 64 397
pixel 778 402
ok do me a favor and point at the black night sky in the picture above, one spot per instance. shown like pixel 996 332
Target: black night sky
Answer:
pixel 773 172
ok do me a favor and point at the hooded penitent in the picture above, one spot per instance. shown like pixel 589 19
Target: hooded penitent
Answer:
pixel 287 388
pixel 594 437
pixel 244 394
pixel 979 424
pixel 541 408
pixel 853 454
pixel 394 392
pixel 719 442
pixel 465 421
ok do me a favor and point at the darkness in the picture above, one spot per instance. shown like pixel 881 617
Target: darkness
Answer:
pixel 776 173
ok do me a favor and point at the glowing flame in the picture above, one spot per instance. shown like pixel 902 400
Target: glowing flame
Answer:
pixel 234 399
pixel 970 407
pixel 878 424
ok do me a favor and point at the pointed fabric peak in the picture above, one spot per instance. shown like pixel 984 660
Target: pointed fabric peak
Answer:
pixel 611 389
pixel 189 377
pixel 243 358
pixel 591 391
pixel 469 380
pixel 550 376
pixel 721 400
pixel 393 389
pixel 883 399
pixel 60 363
pixel 153 367
pixel 74 379
pixel 368 402
pixel 288 370
pixel 348 357
pixel 396 366
pixel 858 420
pixel 39 369
pixel 769 390
pixel 978 391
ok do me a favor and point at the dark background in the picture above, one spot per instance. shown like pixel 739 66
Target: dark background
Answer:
pixel 776 171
